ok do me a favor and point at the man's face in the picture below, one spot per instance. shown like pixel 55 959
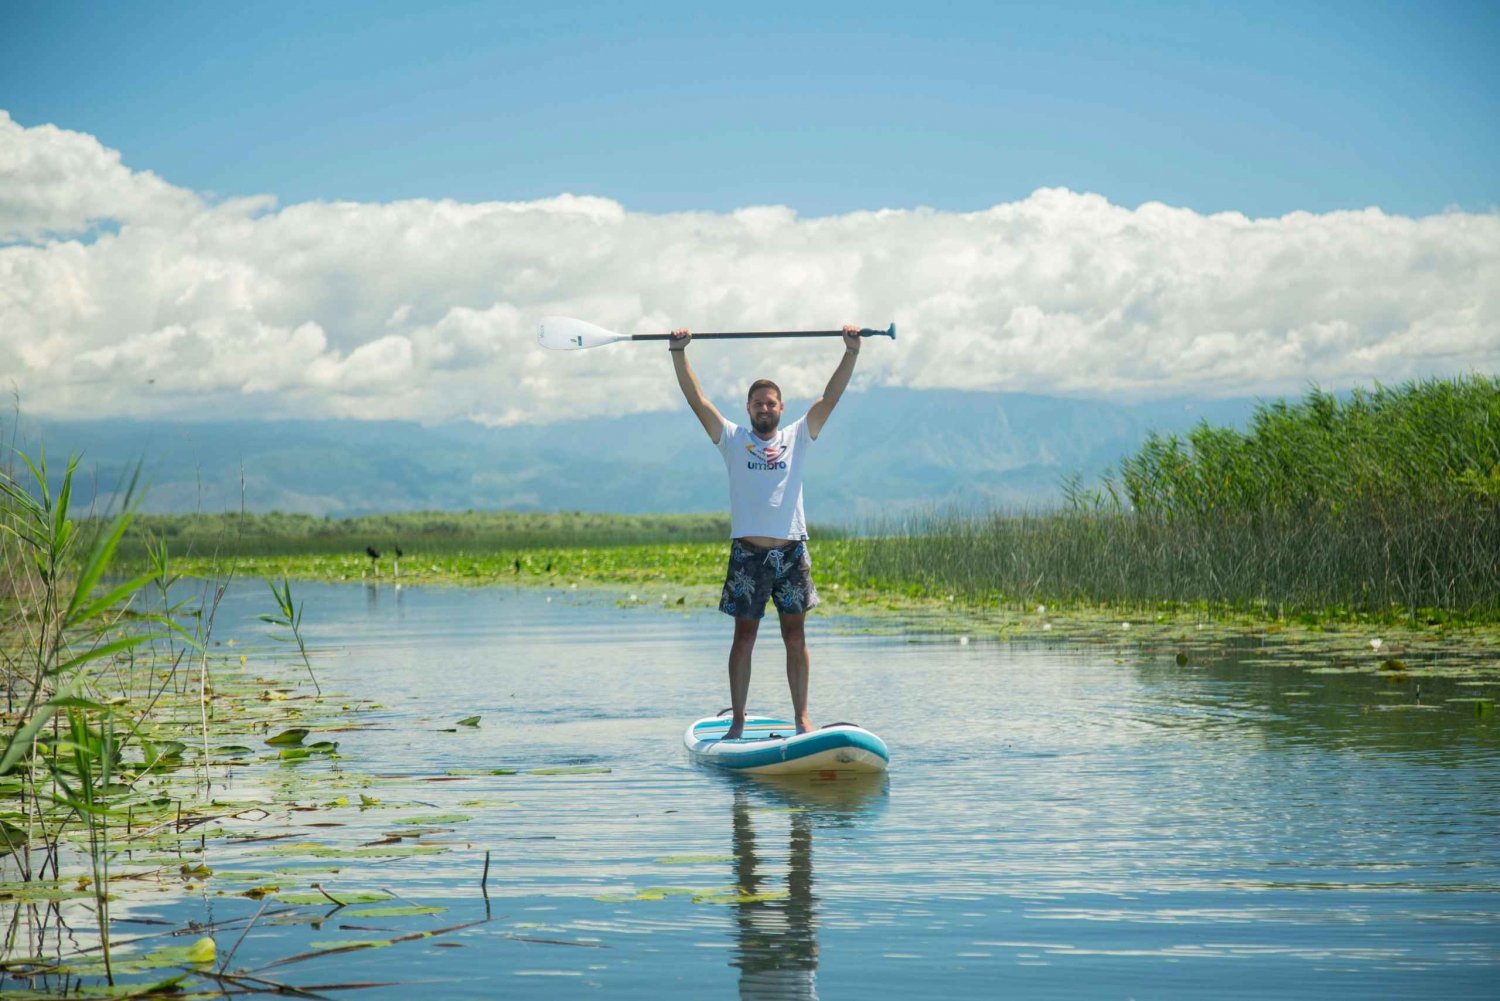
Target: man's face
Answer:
pixel 765 410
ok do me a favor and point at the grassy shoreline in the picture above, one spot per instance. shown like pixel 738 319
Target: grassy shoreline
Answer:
pixel 688 577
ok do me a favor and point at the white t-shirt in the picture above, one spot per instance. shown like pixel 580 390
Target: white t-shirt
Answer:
pixel 765 480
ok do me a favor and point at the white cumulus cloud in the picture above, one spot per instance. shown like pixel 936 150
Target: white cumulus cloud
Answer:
pixel 123 295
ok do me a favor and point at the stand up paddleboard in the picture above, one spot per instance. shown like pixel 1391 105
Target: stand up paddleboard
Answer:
pixel 774 747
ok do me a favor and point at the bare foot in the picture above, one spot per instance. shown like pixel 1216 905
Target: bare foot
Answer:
pixel 735 731
pixel 804 725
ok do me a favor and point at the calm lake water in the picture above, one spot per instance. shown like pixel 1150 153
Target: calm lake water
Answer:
pixel 1064 820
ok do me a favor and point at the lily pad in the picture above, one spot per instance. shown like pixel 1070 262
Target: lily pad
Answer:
pixel 649 893
pixel 288 738
pixel 38 890
pixel 328 851
pixel 394 911
pixel 443 818
pixel 734 896
pixel 343 896
pixel 346 945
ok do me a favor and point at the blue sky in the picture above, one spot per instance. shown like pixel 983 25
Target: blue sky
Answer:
pixel 1263 108
pixel 364 209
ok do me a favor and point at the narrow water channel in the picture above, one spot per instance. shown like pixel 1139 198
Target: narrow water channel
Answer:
pixel 1066 820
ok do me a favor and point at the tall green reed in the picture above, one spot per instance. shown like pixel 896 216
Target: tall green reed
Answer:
pixel 289 614
pixel 1383 504
pixel 66 620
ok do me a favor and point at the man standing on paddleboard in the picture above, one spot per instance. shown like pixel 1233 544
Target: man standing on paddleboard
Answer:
pixel 768 557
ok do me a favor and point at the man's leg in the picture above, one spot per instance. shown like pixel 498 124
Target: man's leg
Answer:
pixel 739 672
pixel 797 667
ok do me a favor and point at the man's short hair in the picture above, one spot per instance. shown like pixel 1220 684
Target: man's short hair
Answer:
pixel 762 384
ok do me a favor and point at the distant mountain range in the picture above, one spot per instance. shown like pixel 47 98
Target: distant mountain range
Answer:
pixel 884 450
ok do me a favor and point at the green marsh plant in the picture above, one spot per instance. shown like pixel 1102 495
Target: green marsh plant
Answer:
pixel 1383 504
pixel 289 615
pixel 68 626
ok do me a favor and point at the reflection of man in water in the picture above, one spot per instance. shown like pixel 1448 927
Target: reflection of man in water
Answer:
pixel 778 937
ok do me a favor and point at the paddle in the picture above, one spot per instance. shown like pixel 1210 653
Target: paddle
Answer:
pixel 563 333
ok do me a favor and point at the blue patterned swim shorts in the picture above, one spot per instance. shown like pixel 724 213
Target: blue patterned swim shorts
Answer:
pixel 782 574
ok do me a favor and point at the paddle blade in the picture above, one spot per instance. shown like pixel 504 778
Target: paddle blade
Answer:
pixel 563 333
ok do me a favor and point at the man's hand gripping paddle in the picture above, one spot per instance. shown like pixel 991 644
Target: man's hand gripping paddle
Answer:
pixel 563 333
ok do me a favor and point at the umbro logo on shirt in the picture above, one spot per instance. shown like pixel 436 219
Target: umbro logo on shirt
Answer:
pixel 767 457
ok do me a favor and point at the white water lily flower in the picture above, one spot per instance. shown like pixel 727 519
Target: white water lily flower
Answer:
pixel 963 641
pixel 1046 626
pixel 1375 643
pixel 1041 609
pixel 1124 625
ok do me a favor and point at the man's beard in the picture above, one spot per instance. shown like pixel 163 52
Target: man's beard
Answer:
pixel 765 424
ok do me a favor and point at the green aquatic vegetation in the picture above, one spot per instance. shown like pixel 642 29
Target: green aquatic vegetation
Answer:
pixel 329 947
pixel 1380 507
pixel 65 745
pixel 734 895
pixel 289 615
pixel 712 895
pixel 422 535
pixel 37 890
pixel 648 893
pixel 394 911
pixel 106 751
pixel 345 897
pixel 169 987
pixel 310 849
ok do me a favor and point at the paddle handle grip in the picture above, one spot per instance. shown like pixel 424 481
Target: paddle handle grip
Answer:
pixel 866 332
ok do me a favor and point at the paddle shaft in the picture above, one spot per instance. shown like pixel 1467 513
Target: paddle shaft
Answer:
pixel 866 332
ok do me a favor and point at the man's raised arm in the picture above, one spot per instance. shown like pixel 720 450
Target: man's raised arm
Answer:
pixel 818 414
pixel 708 414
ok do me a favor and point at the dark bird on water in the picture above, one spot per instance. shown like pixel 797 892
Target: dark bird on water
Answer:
pixel 399 553
pixel 372 552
